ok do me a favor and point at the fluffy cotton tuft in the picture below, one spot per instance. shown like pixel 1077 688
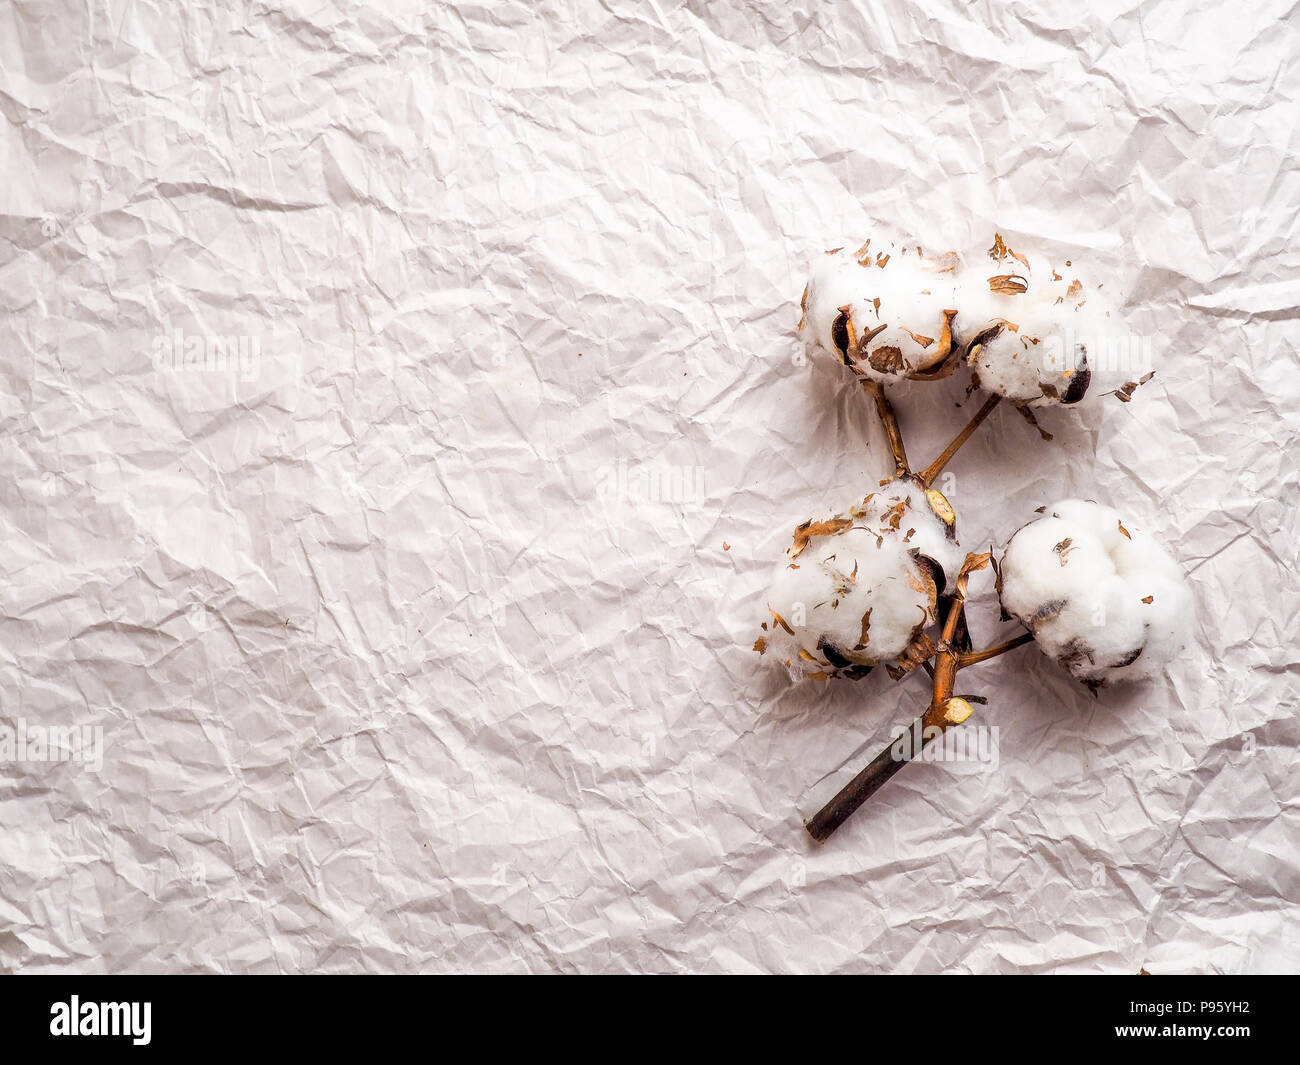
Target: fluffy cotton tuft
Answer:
pixel 1035 335
pixel 858 588
pixel 1032 331
pixel 885 310
pixel 1100 596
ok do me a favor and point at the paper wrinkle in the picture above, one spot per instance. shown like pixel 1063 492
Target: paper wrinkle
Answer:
pixel 413 638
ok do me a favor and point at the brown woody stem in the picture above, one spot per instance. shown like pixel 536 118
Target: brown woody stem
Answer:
pixel 935 468
pixel 889 421
pixel 971 657
pixel 861 788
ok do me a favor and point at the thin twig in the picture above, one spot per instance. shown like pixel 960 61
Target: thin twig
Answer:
pixel 936 467
pixel 889 420
pixel 971 657
pixel 879 770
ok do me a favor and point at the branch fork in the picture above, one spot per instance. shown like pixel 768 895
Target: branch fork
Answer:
pixel 894 435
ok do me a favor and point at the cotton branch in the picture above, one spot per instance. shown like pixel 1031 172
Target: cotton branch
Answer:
pixel 935 468
pixel 971 657
pixel 944 711
pixel 889 421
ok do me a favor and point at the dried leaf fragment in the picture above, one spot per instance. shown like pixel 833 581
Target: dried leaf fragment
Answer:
pixel 975 562
pixel 809 529
pixel 1125 392
pixel 866 629
pixel 888 359
pixel 780 621
pixel 1063 550
pixel 1008 284
pixel 866 338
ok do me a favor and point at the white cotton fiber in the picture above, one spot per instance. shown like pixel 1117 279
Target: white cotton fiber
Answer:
pixel 1036 335
pixel 884 309
pixel 1100 596
pixel 1031 330
pixel 856 588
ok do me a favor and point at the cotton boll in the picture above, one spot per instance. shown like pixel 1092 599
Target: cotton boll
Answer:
pixel 1033 334
pixel 1019 342
pixel 1100 596
pixel 1012 361
pixel 885 310
pixel 826 619
pixel 858 589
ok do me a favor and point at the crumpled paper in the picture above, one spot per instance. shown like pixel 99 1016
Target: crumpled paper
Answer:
pixel 403 412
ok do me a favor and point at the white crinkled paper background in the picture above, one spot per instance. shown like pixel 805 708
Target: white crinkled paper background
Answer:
pixel 416 644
